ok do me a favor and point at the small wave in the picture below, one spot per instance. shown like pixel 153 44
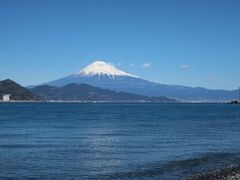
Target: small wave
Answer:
pixel 13 146
pixel 15 135
pixel 180 169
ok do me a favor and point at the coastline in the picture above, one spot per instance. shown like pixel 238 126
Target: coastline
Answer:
pixel 142 102
pixel 231 173
pixel 83 102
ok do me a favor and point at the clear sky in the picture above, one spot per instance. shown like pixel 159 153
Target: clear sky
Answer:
pixel 186 42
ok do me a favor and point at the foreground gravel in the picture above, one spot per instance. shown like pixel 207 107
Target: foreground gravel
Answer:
pixel 223 174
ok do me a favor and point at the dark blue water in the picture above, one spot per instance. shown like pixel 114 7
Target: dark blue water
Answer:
pixel 117 141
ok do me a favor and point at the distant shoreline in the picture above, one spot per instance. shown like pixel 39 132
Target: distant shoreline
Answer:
pixel 140 102
pixel 55 101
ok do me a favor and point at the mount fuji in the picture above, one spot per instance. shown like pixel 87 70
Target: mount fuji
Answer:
pixel 103 75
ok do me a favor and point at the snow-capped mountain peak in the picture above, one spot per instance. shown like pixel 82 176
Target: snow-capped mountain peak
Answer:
pixel 101 68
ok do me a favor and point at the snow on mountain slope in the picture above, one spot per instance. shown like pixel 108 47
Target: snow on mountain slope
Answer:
pixel 101 68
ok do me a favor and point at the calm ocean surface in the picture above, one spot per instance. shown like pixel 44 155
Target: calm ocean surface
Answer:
pixel 117 141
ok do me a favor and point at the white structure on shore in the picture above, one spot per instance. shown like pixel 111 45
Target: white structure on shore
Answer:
pixel 6 97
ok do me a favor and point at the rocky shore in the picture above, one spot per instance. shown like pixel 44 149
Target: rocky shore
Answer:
pixel 223 174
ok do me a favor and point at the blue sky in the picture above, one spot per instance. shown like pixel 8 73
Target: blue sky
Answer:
pixel 187 42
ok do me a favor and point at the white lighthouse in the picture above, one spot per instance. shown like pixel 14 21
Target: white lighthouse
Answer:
pixel 6 97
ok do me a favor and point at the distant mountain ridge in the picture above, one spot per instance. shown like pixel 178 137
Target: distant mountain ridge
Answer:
pixel 17 91
pixel 85 92
pixel 103 75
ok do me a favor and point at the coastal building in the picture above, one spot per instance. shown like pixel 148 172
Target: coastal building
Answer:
pixel 6 97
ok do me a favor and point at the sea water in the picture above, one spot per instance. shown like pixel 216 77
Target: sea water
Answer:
pixel 116 141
